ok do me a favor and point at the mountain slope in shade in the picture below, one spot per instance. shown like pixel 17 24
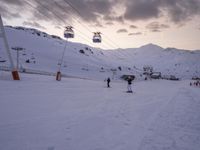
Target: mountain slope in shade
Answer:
pixel 43 52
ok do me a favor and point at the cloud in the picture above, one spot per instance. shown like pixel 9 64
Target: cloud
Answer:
pixel 12 2
pixel 133 27
pixel 101 7
pixel 141 10
pixel 33 24
pixel 42 10
pixel 136 33
pixel 92 11
pixel 122 31
pixel 114 18
pixel 180 11
pixel 5 12
pixel 89 10
pixel 156 27
pixel 109 23
pixel 156 30
pixel 98 24
pixel 58 27
pixel 177 10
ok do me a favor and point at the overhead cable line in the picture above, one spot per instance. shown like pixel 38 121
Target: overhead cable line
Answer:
pixel 81 16
pixel 60 19
pixel 57 18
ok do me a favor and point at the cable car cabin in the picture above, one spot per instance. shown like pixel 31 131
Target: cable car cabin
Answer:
pixel 97 37
pixel 69 33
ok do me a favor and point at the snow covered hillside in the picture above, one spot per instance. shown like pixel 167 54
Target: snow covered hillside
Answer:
pixel 39 113
pixel 169 61
pixel 43 52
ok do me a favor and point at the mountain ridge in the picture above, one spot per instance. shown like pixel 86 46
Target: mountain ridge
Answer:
pixel 35 31
pixel 83 60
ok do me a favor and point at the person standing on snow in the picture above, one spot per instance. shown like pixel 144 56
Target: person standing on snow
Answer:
pixel 108 82
pixel 129 80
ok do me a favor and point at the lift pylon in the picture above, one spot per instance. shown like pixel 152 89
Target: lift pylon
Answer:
pixel 68 33
pixel 15 74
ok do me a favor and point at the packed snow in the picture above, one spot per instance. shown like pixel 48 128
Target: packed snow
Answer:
pixel 39 113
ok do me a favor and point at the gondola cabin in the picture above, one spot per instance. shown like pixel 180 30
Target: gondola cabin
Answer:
pixel 97 37
pixel 68 33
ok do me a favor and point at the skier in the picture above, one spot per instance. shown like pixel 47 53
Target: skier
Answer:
pixel 108 82
pixel 129 80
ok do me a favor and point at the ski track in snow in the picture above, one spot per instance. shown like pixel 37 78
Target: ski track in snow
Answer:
pixel 177 127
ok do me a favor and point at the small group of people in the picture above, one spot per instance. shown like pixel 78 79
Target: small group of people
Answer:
pixel 196 83
pixel 129 81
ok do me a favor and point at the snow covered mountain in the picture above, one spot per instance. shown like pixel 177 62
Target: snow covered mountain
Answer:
pixel 169 61
pixel 43 52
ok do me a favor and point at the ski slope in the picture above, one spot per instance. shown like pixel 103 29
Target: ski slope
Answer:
pixel 39 113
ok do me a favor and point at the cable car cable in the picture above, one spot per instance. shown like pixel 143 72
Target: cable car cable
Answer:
pixel 90 24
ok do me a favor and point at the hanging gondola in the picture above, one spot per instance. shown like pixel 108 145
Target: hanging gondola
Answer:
pixel 97 37
pixel 69 33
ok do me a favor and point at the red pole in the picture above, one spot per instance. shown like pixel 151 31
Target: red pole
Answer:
pixel 15 75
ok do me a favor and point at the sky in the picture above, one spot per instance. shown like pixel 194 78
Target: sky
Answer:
pixel 123 23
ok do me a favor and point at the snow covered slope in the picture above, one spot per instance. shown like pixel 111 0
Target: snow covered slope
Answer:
pixel 39 113
pixel 169 61
pixel 43 52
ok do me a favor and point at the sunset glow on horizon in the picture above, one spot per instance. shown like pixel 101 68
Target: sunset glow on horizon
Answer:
pixel 123 24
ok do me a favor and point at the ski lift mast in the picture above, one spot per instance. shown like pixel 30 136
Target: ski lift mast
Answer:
pixel 68 33
pixel 15 74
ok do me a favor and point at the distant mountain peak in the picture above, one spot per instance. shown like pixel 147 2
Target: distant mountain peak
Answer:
pixel 151 45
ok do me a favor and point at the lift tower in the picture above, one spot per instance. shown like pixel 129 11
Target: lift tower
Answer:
pixel 15 74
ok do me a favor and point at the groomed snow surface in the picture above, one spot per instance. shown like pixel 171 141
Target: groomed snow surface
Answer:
pixel 39 113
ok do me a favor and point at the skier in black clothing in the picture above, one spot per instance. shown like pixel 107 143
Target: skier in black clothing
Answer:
pixel 129 80
pixel 108 82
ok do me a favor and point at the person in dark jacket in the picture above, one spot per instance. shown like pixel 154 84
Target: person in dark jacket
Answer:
pixel 129 80
pixel 108 82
